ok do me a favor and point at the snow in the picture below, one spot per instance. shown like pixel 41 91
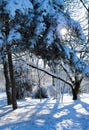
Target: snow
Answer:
pixel 47 114
pixel 1 39
pixel 13 36
pixel 24 6
pixel 78 63
pixel 44 7
pixel 49 38
pixel 41 27
pixel 86 70
pixel 59 2
pixel 58 19
pixel 76 26
pixel 42 10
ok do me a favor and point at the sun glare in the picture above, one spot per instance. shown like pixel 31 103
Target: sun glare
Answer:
pixel 63 31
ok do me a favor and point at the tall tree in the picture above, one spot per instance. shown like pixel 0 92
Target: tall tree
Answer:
pixel 10 36
pixel 36 25
pixel 8 88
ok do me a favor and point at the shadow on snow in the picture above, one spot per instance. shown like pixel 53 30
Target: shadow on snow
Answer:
pixel 51 116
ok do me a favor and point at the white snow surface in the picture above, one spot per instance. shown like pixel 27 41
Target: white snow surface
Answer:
pixel 47 114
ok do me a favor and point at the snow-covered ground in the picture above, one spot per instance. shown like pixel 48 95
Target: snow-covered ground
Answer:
pixel 47 114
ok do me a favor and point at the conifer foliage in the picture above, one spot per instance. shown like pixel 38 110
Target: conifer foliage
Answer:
pixel 33 25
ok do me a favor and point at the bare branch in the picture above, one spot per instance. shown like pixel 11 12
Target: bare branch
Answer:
pixel 84 5
pixel 46 71
pixel 67 72
pixel 49 73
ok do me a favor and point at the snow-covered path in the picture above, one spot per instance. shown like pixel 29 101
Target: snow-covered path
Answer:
pixel 47 114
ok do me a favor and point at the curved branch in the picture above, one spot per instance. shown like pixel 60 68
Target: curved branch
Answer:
pixel 47 72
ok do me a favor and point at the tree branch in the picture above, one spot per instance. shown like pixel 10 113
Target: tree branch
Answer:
pixel 46 71
pixel 49 73
pixel 84 5
pixel 67 73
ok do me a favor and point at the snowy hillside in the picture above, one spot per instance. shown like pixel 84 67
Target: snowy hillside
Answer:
pixel 47 114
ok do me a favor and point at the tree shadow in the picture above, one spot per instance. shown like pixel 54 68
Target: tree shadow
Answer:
pixel 6 112
pixel 48 115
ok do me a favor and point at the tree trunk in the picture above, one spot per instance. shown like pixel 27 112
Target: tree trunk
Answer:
pixel 11 72
pixel 75 94
pixel 75 90
pixel 8 89
pixel 88 25
pixel 53 81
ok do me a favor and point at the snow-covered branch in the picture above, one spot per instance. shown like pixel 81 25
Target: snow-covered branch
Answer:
pixel 49 73
pixel 46 71
pixel 76 62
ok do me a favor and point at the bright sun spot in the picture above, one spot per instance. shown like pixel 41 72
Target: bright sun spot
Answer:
pixel 63 31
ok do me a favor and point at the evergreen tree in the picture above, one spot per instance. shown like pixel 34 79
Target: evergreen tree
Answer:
pixel 35 25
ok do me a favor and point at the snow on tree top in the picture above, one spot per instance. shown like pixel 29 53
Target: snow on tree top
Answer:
pixel 22 5
pixel 86 70
pixel 13 35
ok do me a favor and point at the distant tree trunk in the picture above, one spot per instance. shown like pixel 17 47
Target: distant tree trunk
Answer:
pixel 53 81
pixel 8 89
pixel 11 72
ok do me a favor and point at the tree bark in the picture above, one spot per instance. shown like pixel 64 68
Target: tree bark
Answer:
pixel 75 90
pixel 88 25
pixel 75 94
pixel 11 72
pixel 8 89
